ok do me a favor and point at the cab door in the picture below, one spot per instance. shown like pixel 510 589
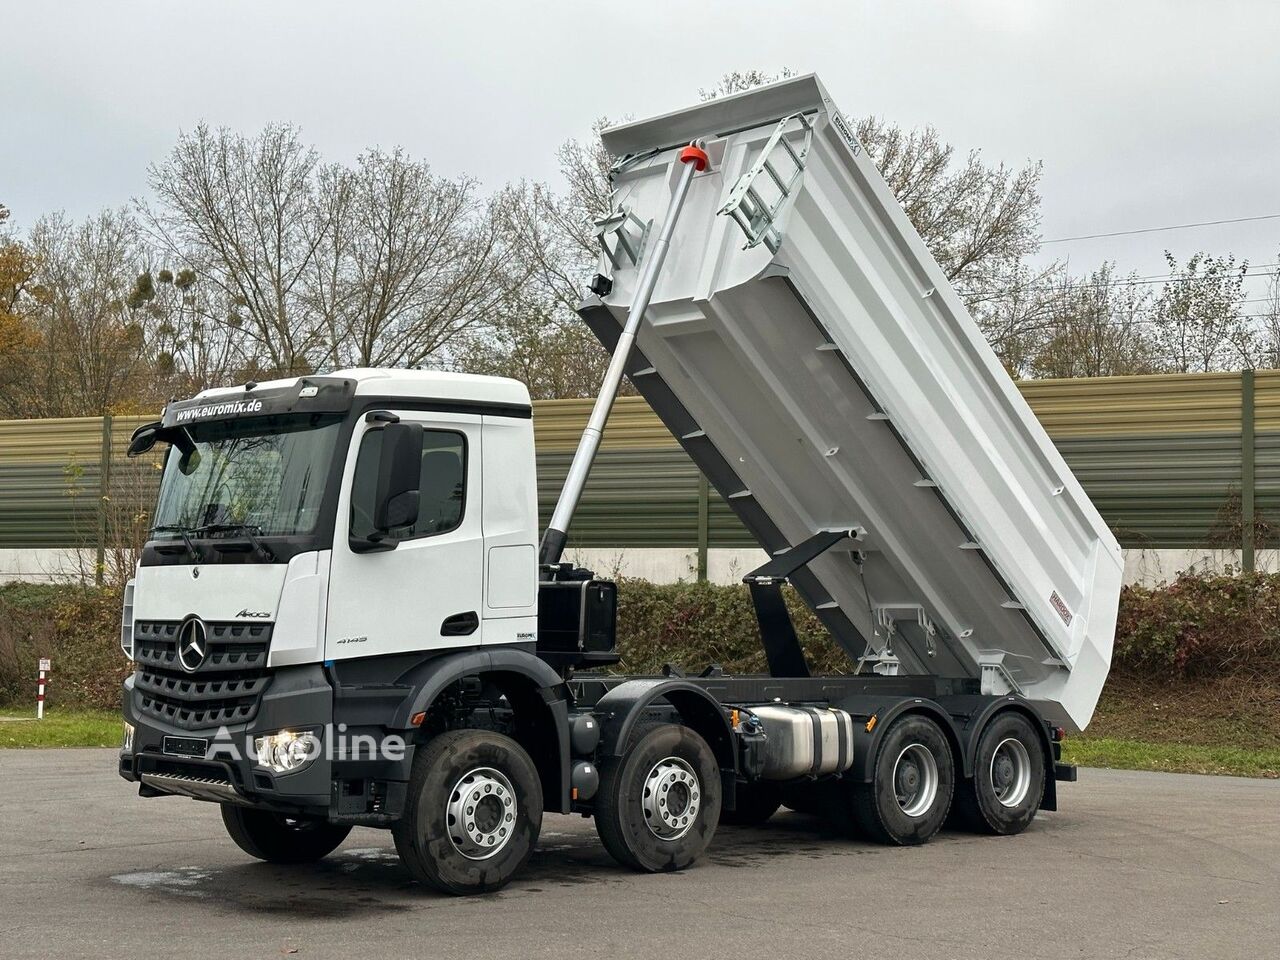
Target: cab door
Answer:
pixel 427 592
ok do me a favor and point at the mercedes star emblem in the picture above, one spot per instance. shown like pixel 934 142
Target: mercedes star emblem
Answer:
pixel 192 645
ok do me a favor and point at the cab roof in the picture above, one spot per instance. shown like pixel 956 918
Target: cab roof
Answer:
pixel 410 384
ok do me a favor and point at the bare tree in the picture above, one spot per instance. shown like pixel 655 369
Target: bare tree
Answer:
pixel 412 261
pixel 535 341
pixel 189 350
pixel 556 230
pixel 1269 321
pixel 90 344
pixel 736 81
pixel 1015 313
pixel 1097 327
pixel 18 339
pixel 1199 325
pixel 537 337
pixel 246 209
pixel 977 219
pixel 315 266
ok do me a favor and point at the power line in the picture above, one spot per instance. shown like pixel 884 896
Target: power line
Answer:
pixel 1150 280
pixel 1175 226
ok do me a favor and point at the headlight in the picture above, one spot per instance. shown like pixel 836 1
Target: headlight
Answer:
pixel 286 751
pixel 127 745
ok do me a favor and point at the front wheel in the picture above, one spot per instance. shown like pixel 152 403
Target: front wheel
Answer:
pixel 277 838
pixel 473 812
pixel 659 804
pixel 1008 778
pixel 910 794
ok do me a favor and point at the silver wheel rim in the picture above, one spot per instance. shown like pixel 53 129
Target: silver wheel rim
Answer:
pixel 481 813
pixel 915 780
pixel 671 799
pixel 1010 772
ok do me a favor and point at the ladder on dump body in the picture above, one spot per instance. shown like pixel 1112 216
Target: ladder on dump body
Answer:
pixel 746 203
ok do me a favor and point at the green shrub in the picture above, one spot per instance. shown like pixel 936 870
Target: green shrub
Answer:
pixel 1197 626
pixel 28 596
pixel 77 628
pixel 693 625
pixel 1201 625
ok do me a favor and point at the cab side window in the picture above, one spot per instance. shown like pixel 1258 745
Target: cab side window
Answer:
pixel 441 485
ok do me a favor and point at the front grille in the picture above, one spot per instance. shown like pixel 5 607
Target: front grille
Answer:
pixel 225 690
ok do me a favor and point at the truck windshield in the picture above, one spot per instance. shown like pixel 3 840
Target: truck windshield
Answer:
pixel 264 473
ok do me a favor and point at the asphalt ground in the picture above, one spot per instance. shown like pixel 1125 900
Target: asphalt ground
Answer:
pixel 1135 865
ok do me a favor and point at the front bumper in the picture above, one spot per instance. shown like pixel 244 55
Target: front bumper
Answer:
pixel 298 698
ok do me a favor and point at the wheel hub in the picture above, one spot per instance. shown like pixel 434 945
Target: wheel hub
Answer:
pixel 1003 772
pixel 1010 772
pixel 671 799
pixel 915 780
pixel 481 813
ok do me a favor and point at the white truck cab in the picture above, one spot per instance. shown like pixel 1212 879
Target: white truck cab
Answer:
pixel 295 462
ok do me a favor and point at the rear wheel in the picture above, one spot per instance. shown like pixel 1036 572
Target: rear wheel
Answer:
pixel 756 803
pixel 473 812
pixel 277 838
pixel 908 799
pixel 659 803
pixel 1008 778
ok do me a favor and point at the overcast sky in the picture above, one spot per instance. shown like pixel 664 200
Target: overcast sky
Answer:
pixel 1145 113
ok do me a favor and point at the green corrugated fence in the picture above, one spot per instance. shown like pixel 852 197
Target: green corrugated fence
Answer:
pixel 1170 461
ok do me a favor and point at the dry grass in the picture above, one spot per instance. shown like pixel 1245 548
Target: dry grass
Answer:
pixel 1228 711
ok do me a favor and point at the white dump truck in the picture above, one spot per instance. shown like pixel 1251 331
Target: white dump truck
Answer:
pixel 346 614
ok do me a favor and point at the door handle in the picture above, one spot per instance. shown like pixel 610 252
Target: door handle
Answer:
pixel 460 624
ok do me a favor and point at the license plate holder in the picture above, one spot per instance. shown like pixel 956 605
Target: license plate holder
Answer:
pixel 195 747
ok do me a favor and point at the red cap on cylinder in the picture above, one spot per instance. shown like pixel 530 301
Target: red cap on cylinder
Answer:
pixel 695 155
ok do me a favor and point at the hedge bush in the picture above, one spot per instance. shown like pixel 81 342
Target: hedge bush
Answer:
pixel 693 625
pixel 1200 626
pixel 1197 626
pixel 77 628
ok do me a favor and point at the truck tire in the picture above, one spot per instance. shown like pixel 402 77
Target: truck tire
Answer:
pixel 1008 778
pixel 276 838
pixel 914 776
pixel 659 803
pixel 472 814
pixel 756 803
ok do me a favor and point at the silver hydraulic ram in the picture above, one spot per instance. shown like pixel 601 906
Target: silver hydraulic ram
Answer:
pixel 695 160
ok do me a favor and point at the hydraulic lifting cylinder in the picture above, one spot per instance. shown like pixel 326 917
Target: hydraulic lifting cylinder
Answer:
pixel 553 541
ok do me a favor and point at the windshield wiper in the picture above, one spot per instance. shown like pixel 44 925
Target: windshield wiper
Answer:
pixel 184 533
pixel 250 531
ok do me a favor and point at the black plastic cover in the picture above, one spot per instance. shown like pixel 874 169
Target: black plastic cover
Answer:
pixel 307 395
pixel 577 622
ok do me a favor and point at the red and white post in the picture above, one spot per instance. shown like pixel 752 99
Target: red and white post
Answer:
pixel 43 680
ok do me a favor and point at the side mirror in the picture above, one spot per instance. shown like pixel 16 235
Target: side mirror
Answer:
pixel 143 439
pixel 189 460
pixel 395 502
pixel 148 435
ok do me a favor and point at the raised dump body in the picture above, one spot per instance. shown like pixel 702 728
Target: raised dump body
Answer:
pixel 810 355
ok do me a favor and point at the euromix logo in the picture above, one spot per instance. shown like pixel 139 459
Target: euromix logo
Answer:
pixel 231 408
